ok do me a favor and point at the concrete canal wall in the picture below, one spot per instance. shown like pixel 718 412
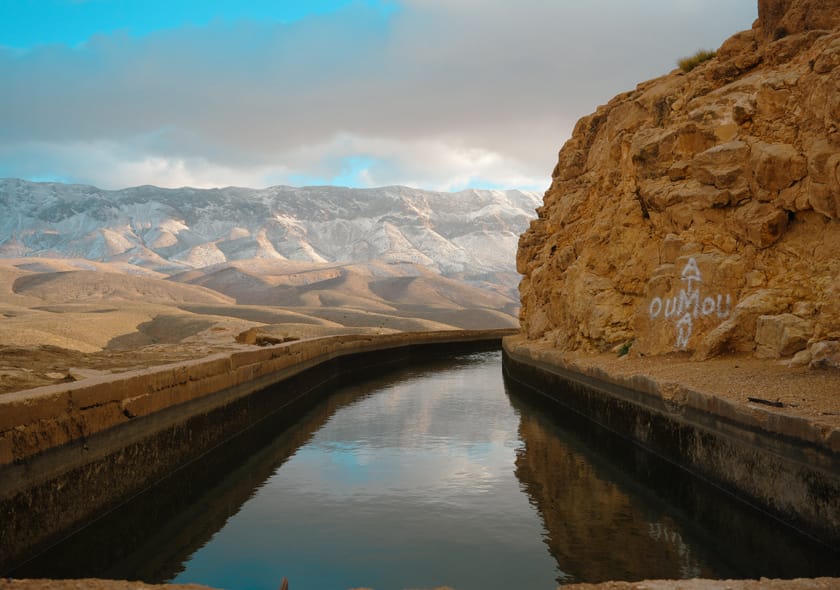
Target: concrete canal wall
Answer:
pixel 787 466
pixel 71 452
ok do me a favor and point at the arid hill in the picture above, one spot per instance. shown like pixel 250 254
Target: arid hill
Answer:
pixel 700 212
pixel 65 319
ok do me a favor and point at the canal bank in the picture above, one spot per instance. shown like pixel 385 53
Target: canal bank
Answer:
pixel 769 453
pixel 71 452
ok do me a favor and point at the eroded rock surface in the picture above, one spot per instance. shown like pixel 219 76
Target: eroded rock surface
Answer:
pixel 700 212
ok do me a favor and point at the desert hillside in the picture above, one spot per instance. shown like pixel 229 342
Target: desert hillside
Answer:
pixel 700 212
pixel 65 319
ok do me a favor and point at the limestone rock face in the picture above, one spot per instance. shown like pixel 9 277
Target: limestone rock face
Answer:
pixel 777 18
pixel 700 212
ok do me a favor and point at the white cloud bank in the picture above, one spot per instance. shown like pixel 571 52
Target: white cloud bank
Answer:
pixel 438 94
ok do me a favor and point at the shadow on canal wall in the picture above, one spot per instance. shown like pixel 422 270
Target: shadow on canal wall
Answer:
pixel 71 453
pixel 595 491
pixel 779 468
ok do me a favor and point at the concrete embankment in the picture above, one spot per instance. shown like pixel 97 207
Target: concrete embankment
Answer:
pixel 71 452
pixel 788 466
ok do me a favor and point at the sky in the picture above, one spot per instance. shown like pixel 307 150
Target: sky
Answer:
pixel 434 94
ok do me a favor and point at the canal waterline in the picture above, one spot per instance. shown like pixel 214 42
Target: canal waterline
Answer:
pixel 438 474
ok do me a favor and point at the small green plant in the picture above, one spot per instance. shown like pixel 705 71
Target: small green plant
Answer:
pixel 625 348
pixel 689 63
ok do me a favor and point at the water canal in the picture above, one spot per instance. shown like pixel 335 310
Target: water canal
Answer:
pixel 439 474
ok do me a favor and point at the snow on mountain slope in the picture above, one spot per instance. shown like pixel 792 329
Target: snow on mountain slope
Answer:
pixel 469 235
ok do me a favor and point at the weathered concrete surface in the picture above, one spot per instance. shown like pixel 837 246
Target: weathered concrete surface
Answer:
pixel 788 466
pixel 70 452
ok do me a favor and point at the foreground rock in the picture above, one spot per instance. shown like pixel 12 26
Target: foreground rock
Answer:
pixel 700 212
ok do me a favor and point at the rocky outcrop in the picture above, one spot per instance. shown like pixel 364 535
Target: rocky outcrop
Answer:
pixel 777 18
pixel 700 212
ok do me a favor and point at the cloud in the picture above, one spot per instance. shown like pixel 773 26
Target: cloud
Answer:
pixel 434 94
pixel 388 161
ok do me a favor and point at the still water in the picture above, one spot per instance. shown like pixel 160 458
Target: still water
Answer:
pixel 440 474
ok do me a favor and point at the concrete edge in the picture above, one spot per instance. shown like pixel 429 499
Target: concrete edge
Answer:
pixel 680 397
pixel 786 466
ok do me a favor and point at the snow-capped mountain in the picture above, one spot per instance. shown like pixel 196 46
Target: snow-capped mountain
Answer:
pixel 470 234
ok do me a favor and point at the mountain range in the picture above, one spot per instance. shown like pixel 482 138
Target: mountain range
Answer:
pixel 468 235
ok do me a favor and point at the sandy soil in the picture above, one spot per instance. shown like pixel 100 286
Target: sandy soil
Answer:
pixel 809 393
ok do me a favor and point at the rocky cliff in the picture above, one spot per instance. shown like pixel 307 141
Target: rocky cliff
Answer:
pixel 700 212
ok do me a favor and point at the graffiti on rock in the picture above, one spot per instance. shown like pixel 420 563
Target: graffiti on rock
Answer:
pixel 689 304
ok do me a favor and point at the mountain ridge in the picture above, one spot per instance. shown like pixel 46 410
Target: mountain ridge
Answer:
pixel 462 235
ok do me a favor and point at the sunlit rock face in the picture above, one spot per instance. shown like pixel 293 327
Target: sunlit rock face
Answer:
pixel 700 212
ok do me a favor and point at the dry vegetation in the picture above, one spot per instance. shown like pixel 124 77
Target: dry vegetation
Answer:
pixel 689 63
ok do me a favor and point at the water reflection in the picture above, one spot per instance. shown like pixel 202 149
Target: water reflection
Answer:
pixel 614 511
pixel 600 526
pixel 150 537
pixel 439 475
pixel 410 486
